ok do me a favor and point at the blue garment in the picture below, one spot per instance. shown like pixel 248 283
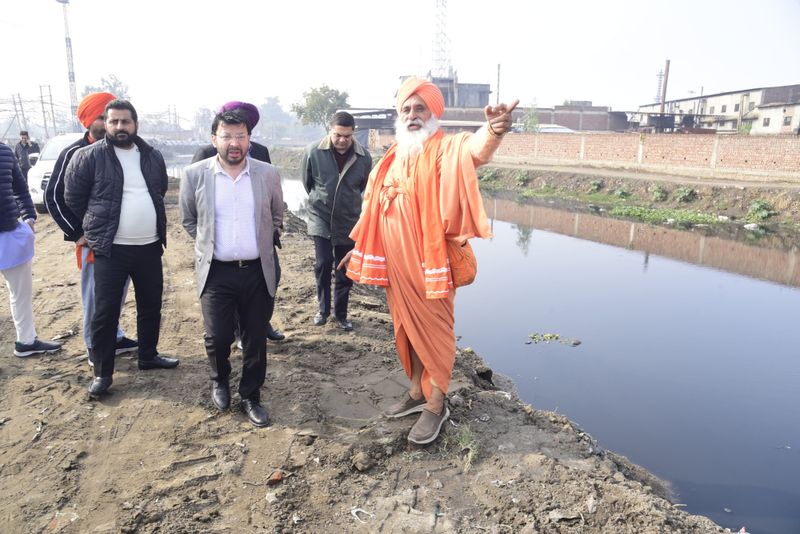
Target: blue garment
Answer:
pixel 16 246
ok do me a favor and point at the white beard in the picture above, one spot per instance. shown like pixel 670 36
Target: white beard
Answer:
pixel 409 143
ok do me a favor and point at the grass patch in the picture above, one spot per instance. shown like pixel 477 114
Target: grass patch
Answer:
pixel 658 194
pixel 684 194
pixel 488 180
pixel 463 442
pixel 541 192
pixel 488 174
pixel 662 215
pixel 622 193
pixel 759 211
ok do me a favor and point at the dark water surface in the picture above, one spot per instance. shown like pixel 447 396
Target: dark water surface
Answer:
pixel 689 371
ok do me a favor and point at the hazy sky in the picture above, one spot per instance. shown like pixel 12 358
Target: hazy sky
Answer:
pixel 203 53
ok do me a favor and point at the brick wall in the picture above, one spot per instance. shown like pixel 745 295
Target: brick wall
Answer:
pixel 682 150
pixel 767 152
pixel 558 146
pixel 761 156
pixel 620 148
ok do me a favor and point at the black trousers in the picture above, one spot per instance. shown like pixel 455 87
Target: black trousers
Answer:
pixel 143 264
pixel 328 257
pixel 237 333
pixel 230 288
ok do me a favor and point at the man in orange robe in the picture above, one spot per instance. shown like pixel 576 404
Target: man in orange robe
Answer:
pixel 423 192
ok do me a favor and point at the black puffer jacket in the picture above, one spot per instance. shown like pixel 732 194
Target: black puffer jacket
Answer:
pixel 15 199
pixel 54 193
pixel 93 191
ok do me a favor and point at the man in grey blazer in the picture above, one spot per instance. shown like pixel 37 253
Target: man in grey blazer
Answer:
pixel 231 205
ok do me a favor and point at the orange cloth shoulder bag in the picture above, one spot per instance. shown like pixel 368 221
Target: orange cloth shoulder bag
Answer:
pixel 463 264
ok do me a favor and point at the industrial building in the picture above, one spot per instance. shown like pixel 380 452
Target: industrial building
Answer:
pixel 761 110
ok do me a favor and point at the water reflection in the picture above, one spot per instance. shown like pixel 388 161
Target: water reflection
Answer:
pixel 524 234
pixel 767 260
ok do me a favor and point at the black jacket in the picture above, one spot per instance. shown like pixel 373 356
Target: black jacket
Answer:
pixel 69 223
pixel 93 191
pixel 334 197
pixel 23 151
pixel 15 199
pixel 257 151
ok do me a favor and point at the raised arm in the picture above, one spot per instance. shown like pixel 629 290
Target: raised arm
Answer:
pixel 486 140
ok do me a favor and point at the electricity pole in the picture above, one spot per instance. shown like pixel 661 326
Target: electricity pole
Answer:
pixel 73 95
pixel 48 98
pixel 44 113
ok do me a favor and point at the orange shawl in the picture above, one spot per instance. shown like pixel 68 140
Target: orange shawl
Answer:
pixel 445 187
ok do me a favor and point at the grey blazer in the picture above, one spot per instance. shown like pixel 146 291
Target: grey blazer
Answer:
pixel 197 214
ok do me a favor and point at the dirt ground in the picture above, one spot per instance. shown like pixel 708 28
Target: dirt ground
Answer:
pixel 155 456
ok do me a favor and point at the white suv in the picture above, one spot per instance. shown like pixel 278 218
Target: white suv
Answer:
pixel 39 174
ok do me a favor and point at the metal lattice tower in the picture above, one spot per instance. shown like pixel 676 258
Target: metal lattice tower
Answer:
pixel 660 77
pixel 19 112
pixel 73 94
pixel 441 43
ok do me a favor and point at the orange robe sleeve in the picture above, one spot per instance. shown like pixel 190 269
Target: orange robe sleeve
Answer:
pixel 460 201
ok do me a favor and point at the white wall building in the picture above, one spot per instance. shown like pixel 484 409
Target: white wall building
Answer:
pixel 764 110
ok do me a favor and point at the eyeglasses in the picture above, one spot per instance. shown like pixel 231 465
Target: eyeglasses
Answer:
pixel 227 138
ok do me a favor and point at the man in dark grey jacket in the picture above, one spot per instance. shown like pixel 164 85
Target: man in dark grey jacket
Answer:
pixel 335 171
pixel 116 186
pixel 25 148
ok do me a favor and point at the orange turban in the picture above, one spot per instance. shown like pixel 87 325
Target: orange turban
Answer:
pixel 426 90
pixel 92 106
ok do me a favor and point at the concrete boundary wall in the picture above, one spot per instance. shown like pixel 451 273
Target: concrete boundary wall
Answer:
pixel 759 157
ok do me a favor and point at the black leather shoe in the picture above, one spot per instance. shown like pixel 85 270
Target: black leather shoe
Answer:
pixel 274 335
pixel 344 324
pixel 320 319
pixel 158 362
pixel 255 412
pixel 100 385
pixel 221 395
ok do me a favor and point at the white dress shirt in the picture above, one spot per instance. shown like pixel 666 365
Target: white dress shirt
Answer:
pixel 234 216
